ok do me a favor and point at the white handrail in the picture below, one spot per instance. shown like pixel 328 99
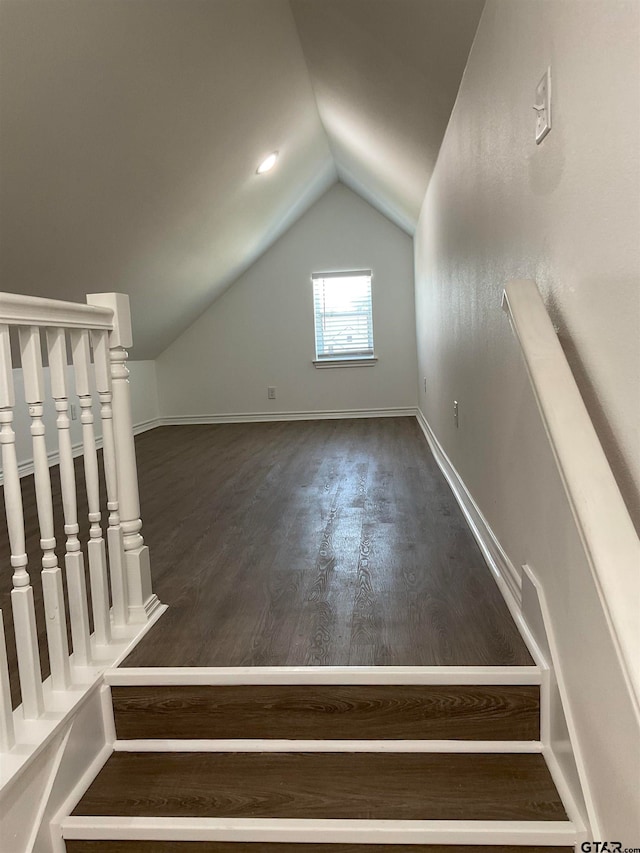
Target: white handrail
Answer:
pixel 18 310
pixel 607 533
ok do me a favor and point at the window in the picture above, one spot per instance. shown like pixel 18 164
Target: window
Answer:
pixel 343 317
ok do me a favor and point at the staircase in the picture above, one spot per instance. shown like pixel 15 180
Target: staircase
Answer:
pixel 437 762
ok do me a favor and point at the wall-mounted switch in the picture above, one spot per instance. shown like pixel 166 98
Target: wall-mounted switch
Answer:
pixel 271 392
pixel 542 107
pixel 455 413
pixel 425 384
pixel 74 413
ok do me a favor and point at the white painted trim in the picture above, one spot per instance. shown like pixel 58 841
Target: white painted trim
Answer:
pixel 216 675
pixel 26 468
pixel 552 762
pixel 75 795
pixel 566 795
pixel 503 569
pixel 19 310
pixel 345 831
pixel 139 634
pixel 33 736
pixel 545 705
pixel 108 717
pixel 145 426
pixel 492 550
pixel 279 745
pixel 260 417
pixel 46 793
pixel 345 362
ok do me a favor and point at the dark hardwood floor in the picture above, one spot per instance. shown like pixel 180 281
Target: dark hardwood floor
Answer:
pixel 311 542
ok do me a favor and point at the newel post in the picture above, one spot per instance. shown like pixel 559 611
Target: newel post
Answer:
pixel 142 600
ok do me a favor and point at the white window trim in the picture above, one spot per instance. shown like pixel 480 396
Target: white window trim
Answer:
pixel 354 360
pixel 347 361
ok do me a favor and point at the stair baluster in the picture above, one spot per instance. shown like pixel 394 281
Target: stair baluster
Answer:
pixel 142 599
pixel 24 617
pixel 7 731
pixel 98 576
pixel 74 558
pixel 51 577
pixel 119 590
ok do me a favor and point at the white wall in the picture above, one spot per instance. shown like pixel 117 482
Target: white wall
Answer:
pixel 260 332
pixel 567 214
pixel 144 400
pixel 144 393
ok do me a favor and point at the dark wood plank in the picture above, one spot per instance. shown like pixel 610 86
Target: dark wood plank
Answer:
pixel 506 712
pixel 401 786
pixel 314 542
pixel 80 846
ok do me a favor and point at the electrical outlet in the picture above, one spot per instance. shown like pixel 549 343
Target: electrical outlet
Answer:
pixel 455 413
pixel 74 412
pixel 271 392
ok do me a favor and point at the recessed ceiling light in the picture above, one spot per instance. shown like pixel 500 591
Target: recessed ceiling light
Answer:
pixel 267 164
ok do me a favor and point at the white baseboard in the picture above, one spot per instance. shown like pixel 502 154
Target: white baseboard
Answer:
pixel 504 572
pixel 262 417
pixel 28 804
pixel 218 675
pixel 491 548
pixel 322 830
pixel 233 745
pixel 539 639
pixel 144 426
pixel 26 468
pixel 563 753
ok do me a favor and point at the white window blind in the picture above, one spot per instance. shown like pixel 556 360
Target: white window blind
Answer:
pixel 343 315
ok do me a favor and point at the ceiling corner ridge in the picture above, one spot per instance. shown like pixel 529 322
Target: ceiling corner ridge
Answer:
pixel 313 89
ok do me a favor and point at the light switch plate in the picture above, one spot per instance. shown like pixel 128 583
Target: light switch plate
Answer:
pixel 542 107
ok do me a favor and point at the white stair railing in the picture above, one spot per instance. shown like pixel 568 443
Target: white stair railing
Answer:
pixel 97 335
pixel 7 730
pixel 141 600
pixel 54 609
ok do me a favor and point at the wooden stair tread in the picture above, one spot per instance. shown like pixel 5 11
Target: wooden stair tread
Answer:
pixel 448 712
pixel 369 786
pixel 85 846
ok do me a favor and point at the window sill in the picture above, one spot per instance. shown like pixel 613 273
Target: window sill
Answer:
pixel 345 362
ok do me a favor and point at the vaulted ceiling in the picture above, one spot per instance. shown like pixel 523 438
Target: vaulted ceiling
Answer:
pixel 130 132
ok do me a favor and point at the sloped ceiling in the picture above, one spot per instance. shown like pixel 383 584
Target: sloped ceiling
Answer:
pixel 130 131
pixel 386 74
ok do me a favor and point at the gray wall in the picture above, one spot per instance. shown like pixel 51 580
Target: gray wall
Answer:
pixel 567 214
